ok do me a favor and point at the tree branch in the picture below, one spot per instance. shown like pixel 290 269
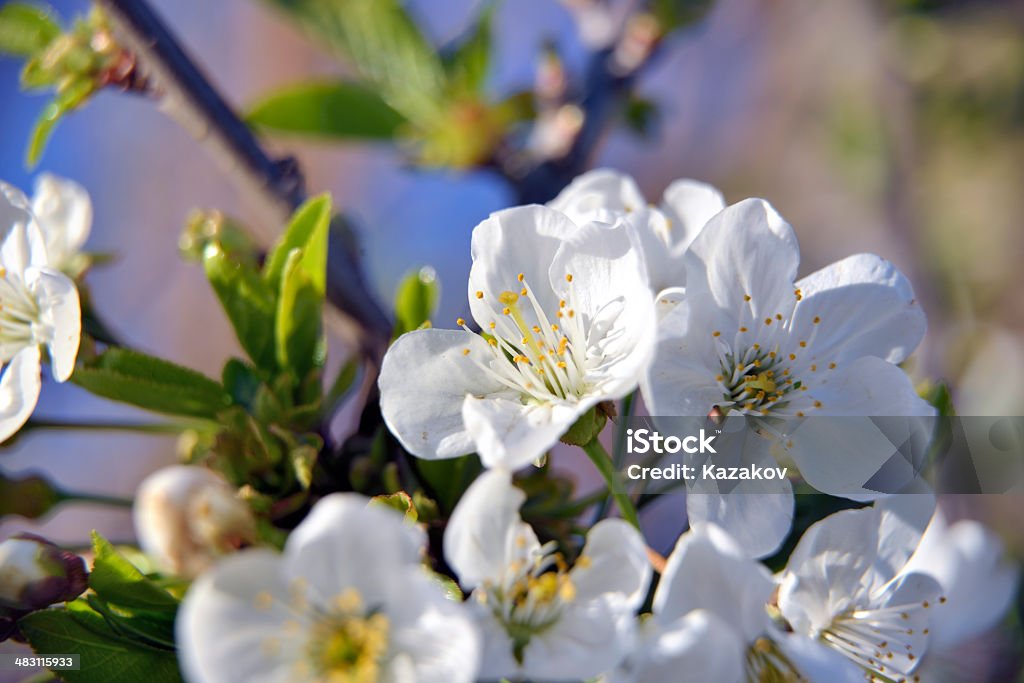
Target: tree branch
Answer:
pixel 190 99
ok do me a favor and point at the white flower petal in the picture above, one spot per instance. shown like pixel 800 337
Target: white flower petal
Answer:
pixel 616 563
pixel 816 662
pixel 61 313
pixel 610 290
pixel 600 190
pixel 345 543
pixel 867 308
pixel 747 249
pixel 22 244
pixel 977 579
pixel 19 391
pixel 511 434
pixel 689 205
pixel 759 522
pixel 64 212
pixel 522 240
pixel 424 380
pixel 678 381
pixel 435 635
pixel 588 639
pixel 707 570
pixel 230 626
pixel 697 648
pixel 482 536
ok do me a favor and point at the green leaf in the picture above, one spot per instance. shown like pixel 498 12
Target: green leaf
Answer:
pixel 248 301
pixel 151 383
pixel 299 330
pixel 106 656
pixel 383 43
pixel 675 14
pixel 307 231
pixel 416 300
pixel 26 29
pixel 336 110
pixel 241 381
pixel 118 581
pixel 470 63
pixel 68 98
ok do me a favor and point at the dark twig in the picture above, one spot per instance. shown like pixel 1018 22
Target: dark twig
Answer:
pixel 192 101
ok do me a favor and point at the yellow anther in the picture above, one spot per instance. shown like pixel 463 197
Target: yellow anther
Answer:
pixel 716 333
pixel 803 345
pixel 757 347
pixel 561 364
pixel 506 311
pixel 264 600
pixel 767 321
pixel 746 297
pixel 799 413
pixel 536 328
pixel 831 366
pixel 568 277
pixel 554 327
pixel 792 356
pixel 817 404
pixel 572 313
pixel 465 352
pixel 778 316
pixel 492 325
pixel 814 367
pixel 460 321
pixel 492 341
pixel 743 329
pixel 816 320
pixel 521 277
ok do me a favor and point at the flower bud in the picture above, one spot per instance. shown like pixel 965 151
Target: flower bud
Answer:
pixel 186 517
pixel 35 573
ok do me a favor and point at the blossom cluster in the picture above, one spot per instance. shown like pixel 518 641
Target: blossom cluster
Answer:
pixel 695 306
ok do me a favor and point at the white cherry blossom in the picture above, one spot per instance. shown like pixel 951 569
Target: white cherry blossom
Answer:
pixel 711 622
pixel 540 619
pixel 39 308
pixel 847 585
pixel 567 321
pixel 348 601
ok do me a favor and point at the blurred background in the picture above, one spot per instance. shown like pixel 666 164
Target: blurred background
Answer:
pixel 890 127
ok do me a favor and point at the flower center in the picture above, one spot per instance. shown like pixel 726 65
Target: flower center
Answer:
pixel 19 315
pixel 346 643
pixel 765 369
pixel 531 597
pixel 543 358
pixel 885 641
pixel 767 664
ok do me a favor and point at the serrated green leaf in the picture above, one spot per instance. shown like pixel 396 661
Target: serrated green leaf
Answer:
pixel 247 299
pixel 298 330
pixel 152 384
pixel 26 29
pixel 118 581
pixel 416 300
pixel 383 43
pixel 307 231
pixel 106 656
pixel 336 110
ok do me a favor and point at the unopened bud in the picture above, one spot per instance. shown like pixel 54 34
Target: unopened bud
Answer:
pixel 186 517
pixel 35 573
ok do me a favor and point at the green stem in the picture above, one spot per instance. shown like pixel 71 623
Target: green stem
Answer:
pixel 619 453
pixel 145 428
pixel 94 498
pixel 599 456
